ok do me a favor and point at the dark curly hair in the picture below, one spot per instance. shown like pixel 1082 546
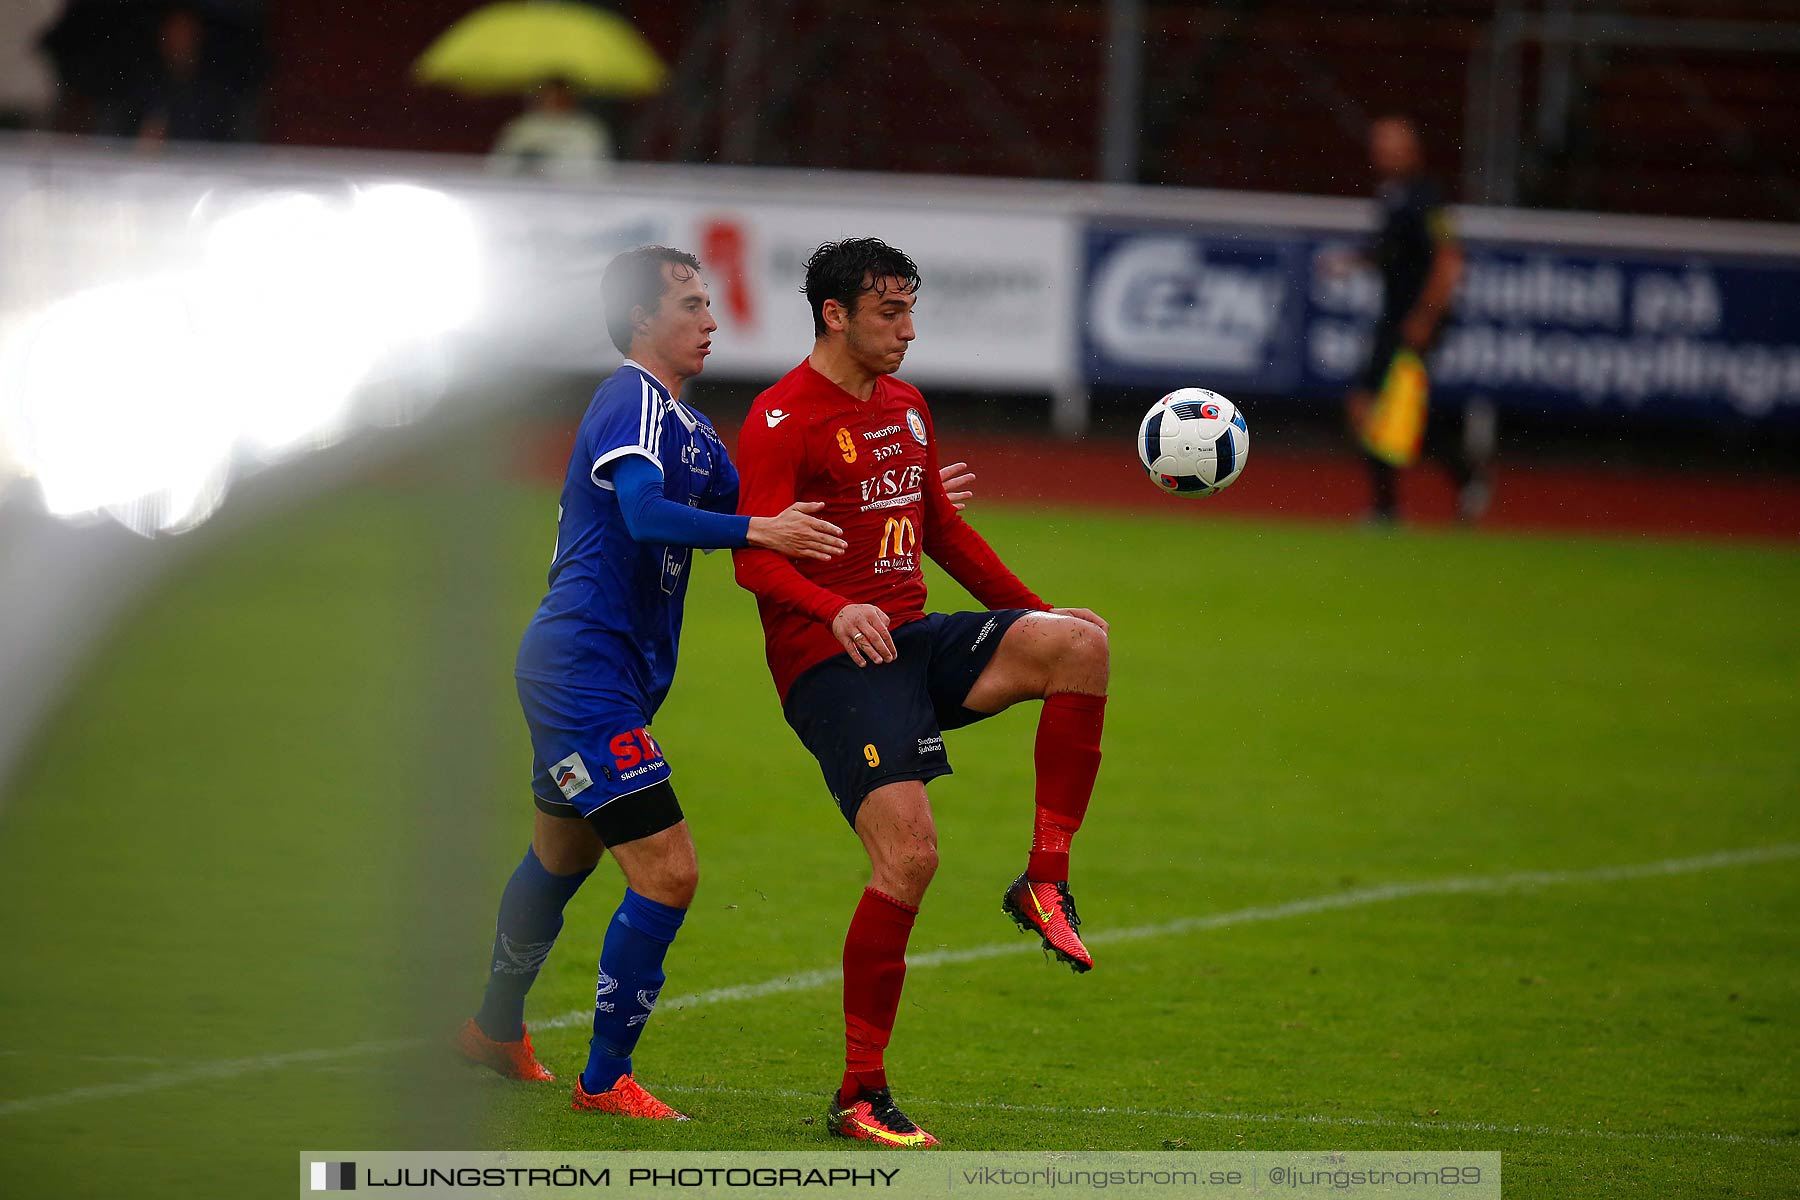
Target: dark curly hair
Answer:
pixel 634 280
pixel 844 270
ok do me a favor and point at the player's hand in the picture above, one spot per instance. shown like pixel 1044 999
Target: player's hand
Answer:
pixel 1417 330
pixel 955 476
pixel 1083 614
pixel 862 630
pixel 797 534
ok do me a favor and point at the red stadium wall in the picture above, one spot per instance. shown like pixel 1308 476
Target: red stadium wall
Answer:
pixel 1258 94
pixel 341 78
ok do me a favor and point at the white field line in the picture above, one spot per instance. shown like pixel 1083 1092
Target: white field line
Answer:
pixel 921 1105
pixel 1360 897
pixel 807 980
pixel 220 1068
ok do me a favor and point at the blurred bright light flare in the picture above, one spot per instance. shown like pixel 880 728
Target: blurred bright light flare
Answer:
pixel 138 398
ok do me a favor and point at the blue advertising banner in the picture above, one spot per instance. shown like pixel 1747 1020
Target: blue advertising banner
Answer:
pixel 1535 327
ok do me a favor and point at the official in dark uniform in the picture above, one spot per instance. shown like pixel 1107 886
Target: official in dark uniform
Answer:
pixel 1420 261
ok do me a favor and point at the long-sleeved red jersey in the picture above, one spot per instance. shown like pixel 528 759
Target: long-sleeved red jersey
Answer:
pixel 874 464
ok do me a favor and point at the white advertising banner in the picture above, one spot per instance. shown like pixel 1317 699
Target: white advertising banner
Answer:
pixel 297 281
pixel 996 309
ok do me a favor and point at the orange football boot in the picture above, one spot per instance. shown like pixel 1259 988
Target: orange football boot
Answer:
pixel 515 1060
pixel 1048 910
pixel 626 1099
pixel 874 1117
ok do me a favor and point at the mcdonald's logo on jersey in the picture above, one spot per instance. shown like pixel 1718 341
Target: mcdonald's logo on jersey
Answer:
pixel 898 539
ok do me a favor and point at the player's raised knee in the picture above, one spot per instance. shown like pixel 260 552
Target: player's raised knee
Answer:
pixel 1095 648
pixel 1084 659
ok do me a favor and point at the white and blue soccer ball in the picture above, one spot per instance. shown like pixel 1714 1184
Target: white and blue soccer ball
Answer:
pixel 1193 442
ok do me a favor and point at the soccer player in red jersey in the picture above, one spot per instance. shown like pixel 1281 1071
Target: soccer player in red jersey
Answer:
pixel 870 680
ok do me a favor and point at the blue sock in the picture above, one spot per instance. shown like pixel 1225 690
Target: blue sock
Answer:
pixel 631 975
pixel 531 911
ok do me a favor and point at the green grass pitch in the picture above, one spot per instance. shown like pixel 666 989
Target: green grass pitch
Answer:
pixel 1345 869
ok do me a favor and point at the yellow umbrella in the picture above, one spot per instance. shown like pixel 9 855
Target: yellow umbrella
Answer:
pixel 516 45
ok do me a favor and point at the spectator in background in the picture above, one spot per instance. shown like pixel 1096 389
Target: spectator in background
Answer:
pixel 157 71
pixel 555 138
pixel 1420 261
pixel 181 98
pixel 27 88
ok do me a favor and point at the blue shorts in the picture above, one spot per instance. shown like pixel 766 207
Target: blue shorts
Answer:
pixel 587 750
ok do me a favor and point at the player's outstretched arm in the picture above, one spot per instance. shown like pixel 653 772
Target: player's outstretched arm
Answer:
pixel 653 519
pixel 796 533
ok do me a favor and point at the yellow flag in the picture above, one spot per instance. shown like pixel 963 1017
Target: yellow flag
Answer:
pixel 1394 428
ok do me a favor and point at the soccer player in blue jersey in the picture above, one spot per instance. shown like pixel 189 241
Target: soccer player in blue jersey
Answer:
pixel 648 481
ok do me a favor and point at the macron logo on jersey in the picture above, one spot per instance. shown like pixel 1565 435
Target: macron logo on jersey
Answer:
pixel 571 777
pixel 775 417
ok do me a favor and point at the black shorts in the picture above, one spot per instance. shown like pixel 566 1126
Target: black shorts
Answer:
pixel 879 724
pixel 625 818
pixel 1384 343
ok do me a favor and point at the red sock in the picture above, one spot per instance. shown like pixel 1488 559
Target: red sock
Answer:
pixel 1068 759
pixel 874 970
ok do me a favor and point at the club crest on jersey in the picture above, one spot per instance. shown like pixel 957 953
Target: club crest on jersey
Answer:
pixel 916 424
pixel 571 777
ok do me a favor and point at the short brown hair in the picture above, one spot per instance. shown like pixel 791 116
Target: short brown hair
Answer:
pixel 635 280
